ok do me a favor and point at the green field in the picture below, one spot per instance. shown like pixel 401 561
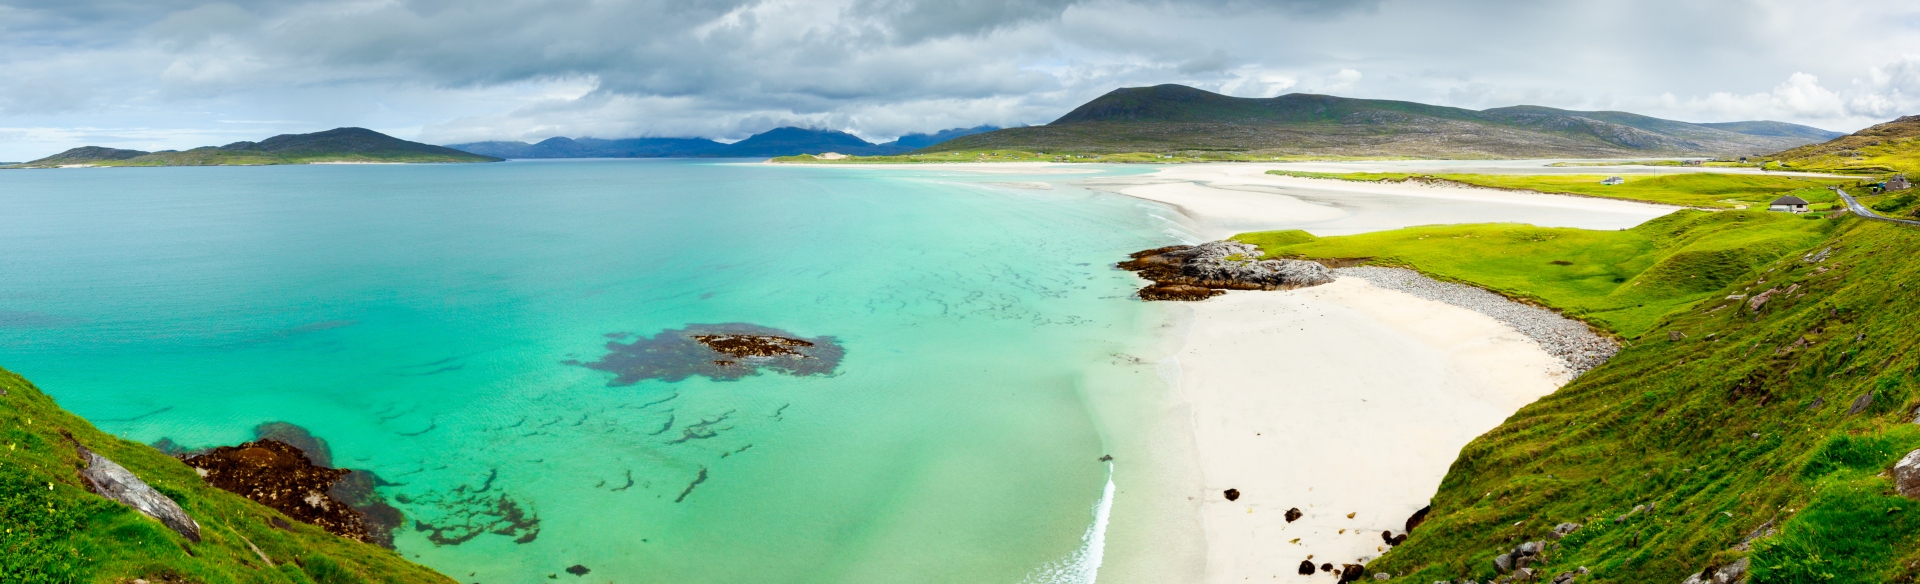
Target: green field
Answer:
pixel 1703 190
pixel 58 532
pixel 1622 281
pixel 1719 417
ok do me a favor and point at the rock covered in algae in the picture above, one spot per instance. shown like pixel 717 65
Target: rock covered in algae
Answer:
pixel 722 352
pixel 280 476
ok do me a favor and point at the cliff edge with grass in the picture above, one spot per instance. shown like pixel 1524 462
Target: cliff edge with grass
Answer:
pixel 62 487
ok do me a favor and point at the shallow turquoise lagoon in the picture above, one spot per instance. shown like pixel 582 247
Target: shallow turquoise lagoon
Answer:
pixel 419 319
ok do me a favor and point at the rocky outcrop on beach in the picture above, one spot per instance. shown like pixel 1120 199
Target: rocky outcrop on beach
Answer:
pixel 108 479
pixel 1198 272
pixel 1572 341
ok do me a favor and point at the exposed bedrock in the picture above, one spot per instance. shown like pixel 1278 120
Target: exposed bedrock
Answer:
pixel 1198 272
pixel 108 479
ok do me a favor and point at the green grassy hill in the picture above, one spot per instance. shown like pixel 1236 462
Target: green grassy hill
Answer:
pixel 1890 147
pixel 1701 189
pixel 1720 421
pixel 336 145
pixel 1180 119
pixel 1622 281
pixel 56 531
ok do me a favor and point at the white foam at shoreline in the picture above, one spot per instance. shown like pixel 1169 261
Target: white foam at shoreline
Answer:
pixel 1083 565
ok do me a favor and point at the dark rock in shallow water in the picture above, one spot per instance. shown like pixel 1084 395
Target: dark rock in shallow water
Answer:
pixel 1352 572
pixel 1306 567
pixel 722 352
pixel 1293 514
pixel 108 479
pixel 297 437
pixel 1197 272
pixel 280 476
pixel 1178 292
pixel 1233 494
pixel 578 570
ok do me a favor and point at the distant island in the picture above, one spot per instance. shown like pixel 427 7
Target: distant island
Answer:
pixel 784 141
pixel 339 145
pixel 1176 122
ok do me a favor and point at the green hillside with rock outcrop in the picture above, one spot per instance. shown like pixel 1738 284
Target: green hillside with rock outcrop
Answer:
pixel 58 530
pixel 1754 435
pixel 1884 148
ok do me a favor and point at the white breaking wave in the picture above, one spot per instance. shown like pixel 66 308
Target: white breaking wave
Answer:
pixel 1083 565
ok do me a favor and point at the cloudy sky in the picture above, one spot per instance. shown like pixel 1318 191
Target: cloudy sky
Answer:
pixel 153 74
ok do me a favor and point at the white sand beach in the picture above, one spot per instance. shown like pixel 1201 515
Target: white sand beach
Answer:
pixel 1346 401
pixel 1224 199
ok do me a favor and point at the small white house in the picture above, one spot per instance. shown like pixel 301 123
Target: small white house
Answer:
pixel 1789 204
pixel 1613 180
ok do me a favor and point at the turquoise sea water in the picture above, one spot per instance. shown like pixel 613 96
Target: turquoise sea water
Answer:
pixel 418 319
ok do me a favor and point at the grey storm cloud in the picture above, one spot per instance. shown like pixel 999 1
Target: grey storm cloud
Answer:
pixel 526 69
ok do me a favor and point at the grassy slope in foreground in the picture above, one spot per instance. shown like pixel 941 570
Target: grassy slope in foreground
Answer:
pixel 1743 420
pixel 1748 418
pixel 1693 189
pixel 1622 281
pixel 57 531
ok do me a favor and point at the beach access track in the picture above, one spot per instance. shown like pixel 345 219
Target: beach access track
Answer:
pixel 1863 211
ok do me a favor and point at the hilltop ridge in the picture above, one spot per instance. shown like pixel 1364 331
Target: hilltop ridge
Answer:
pixel 1882 148
pixel 1175 118
pixel 336 145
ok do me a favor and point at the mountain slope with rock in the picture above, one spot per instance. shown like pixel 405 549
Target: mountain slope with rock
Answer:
pixel 1884 148
pixel 1177 118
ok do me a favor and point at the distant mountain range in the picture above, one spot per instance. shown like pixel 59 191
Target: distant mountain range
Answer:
pixel 786 141
pixel 336 145
pixel 1176 118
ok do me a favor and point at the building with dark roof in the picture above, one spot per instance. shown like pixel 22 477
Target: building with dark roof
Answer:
pixel 1788 203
